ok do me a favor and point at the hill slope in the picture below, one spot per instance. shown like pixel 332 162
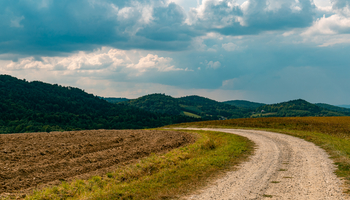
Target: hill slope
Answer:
pixel 37 106
pixel 203 106
pixel 244 104
pixel 294 108
pixel 196 106
pixel 158 103
pixel 344 106
pixel 114 100
pixel 334 108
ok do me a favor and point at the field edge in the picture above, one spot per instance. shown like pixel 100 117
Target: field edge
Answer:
pixel 186 170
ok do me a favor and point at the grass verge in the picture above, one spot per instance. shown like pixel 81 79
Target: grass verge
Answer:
pixel 329 133
pixel 166 176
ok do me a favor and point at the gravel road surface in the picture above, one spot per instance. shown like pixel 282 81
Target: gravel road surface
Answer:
pixel 282 167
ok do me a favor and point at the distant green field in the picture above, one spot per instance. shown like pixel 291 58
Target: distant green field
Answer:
pixel 191 114
pixel 192 109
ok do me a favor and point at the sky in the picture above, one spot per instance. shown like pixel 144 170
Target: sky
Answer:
pixel 265 51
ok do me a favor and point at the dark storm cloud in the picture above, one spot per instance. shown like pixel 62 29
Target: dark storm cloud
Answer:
pixel 43 27
pixel 256 17
pixel 55 27
pixel 37 26
pixel 168 25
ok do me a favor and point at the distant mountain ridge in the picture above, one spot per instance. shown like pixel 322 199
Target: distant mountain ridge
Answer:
pixel 115 100
pixel 344 106
pixel 295 108
pixel 208 109
pixel 334 108
pixel 37 106
pixel 194 106
pixel 244 104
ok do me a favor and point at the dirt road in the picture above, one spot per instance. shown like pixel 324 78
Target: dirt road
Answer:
pixel 282 167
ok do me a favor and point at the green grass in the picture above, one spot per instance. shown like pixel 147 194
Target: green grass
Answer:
pixel 191 114
pixel 191 108
pixel 164 176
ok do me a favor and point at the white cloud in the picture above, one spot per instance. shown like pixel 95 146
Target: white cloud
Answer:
pixel 213 65
pixel 329 25
pixel 288 33
pixel 147 13
pixel 211 50
pixel 103 60
pixel 230 83
pixel 229 46
pixel 28 63
pixel 154 62
pixel 339 39
pixel 126 13
pixel 212 11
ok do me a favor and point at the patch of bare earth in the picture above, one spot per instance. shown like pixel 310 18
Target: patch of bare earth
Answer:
pixel 30 160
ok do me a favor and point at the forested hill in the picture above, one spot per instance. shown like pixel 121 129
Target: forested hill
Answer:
pixel 204 106
pixel 37 106
pixel 244 104
pixel 334 108
pixel 158 103
pixel 194 106
pixel 115 100
pixel 294 108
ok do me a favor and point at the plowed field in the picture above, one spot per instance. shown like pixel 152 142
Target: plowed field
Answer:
pixel 36 159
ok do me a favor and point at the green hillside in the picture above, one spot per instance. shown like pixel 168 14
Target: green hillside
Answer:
pixel 158 103
pixel 244 104
pixel 294 108
pixel 334 108
pixel 344 106
pixel 37 106
pixel 115 100
pixel 207 107
pixel 194 106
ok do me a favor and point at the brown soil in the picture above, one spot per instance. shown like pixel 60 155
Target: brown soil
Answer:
pixel 32 159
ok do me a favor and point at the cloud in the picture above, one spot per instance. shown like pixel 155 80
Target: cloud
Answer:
pixel 230 83
pixel 154 62
pixel 252 17
pixel 341 4
pixel 229 46
pixel 339 39
pixel 59 26
pixel 101 61
pixel 168 25
pixel 332 25
pixel 213 65
pixel 56 27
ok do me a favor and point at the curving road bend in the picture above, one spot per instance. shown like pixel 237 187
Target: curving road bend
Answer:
pixel 282 167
